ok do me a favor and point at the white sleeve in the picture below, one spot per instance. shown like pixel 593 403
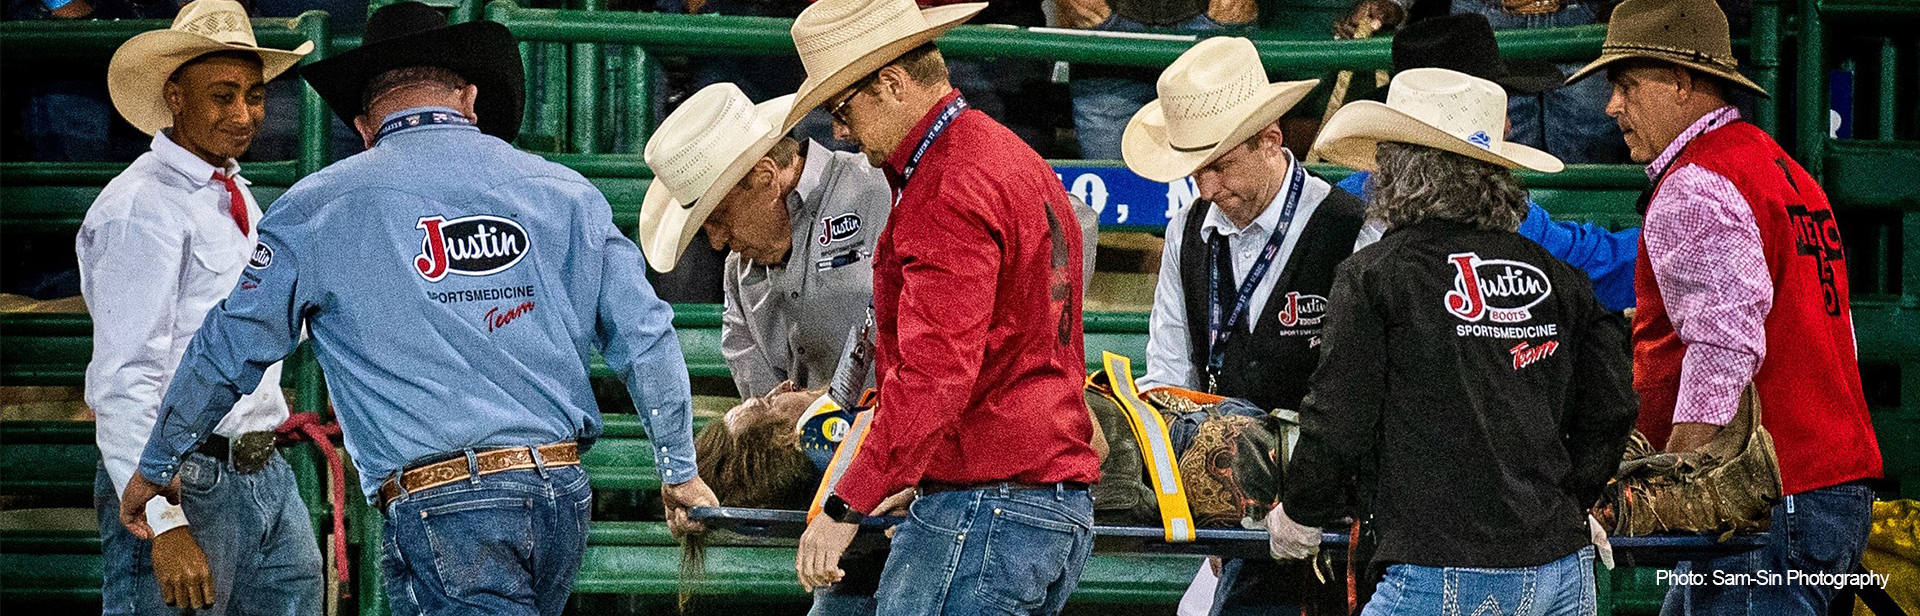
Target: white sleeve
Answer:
pixel 1169 348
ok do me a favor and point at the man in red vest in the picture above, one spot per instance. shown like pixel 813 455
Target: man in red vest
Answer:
pixel 1742 278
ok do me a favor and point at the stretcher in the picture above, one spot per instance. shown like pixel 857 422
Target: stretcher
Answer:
pixel 1660 550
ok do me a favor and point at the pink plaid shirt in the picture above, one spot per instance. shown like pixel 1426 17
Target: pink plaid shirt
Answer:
pixel 1706 255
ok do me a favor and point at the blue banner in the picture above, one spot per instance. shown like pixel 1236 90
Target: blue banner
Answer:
pixel 1123 198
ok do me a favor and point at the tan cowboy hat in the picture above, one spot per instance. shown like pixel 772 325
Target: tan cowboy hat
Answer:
pixel 1212 98
pixel 841 41
pixel 697 155
pixel 138 73
pixel 1435 107
pixel 1690 33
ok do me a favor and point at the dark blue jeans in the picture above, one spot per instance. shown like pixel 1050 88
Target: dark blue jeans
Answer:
pixel 257 535
pixel 1571 121
pixel 995 550
pixel 127 585
pixel 1822 530
pixel 1560 588
pixel 503 544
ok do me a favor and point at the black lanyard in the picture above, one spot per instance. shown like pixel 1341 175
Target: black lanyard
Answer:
pixel 1218 332
pixel 422 118
pixel 940 125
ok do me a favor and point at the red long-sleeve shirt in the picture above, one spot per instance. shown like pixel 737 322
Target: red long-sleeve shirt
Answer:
pixel 976 296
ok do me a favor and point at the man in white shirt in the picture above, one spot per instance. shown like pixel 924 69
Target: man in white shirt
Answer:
pixel 1246 270
pixel 164 242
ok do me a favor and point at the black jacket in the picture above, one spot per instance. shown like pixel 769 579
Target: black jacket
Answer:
pixel 1474 419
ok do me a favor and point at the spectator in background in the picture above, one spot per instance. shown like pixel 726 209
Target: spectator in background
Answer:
pixel 1106 97
pixel 1569 122
pixel 164 243
pixel 1465 43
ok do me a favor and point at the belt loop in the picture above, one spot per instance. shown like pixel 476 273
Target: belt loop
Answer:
pixel 1059 491
pixel 539 463
pixel 473 466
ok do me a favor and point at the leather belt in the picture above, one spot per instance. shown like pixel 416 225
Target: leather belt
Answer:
pixel 247 453
pixel 431 475
pixel 933 487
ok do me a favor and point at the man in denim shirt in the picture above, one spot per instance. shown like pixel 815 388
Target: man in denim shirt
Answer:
pixel 454 287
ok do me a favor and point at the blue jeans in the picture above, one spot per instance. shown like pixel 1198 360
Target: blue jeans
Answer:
pixel 826 602
pixel 504 544
pixel 999 550
pixel 1102 105
pixel 1569 122
pixel 257 535
pixel 1822 530
pixel 127 585
pixel 1560 588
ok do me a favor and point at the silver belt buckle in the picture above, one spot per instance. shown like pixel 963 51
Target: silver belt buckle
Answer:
pixel 250 452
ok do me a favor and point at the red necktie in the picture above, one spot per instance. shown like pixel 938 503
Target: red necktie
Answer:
pixel 236 202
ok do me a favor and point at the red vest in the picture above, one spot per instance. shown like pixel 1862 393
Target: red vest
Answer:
pixel 1809 384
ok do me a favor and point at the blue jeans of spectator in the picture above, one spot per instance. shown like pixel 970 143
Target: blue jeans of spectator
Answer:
pixel 1822 530
pixel 68 121
pixel 1560 588
pixel 998 550
pixel 505 544
pixel 127 585
pixel 1569 122
pixel 1102 105
pixel 257 535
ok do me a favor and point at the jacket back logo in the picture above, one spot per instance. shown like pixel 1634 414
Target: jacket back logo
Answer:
pixel 1303 310
pixel 839 228
pixel 478 245
pixel 1499 290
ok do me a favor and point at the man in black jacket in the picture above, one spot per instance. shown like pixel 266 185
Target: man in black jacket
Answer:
pixel 1472 396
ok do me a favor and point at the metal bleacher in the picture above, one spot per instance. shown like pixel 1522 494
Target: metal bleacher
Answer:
pixel 592 103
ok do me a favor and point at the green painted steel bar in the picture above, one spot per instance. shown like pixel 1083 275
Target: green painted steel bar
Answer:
pixel 66 40
pixel 95 174
pixel 583 118
pixel 664 33
pixel 1764 55
pixel 1810 101
pixel 1888 117
pixel 315 117
pixel 640 114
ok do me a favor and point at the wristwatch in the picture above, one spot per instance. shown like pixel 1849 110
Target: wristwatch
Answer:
pixel 838 509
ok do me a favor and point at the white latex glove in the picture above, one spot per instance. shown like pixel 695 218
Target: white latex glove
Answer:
pixel 1600 544
pixel 1287 540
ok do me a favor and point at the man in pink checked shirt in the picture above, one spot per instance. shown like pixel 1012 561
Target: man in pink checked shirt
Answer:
pixel 1742 278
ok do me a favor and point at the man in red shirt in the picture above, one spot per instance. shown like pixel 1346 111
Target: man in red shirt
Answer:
pixel 978 352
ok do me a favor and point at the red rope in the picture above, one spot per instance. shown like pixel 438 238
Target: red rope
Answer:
pixel 1353 568
pixel 309 427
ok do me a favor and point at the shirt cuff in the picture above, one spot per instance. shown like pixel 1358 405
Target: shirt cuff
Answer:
pixel 164 516
pixel 677 463
pixel 1711 380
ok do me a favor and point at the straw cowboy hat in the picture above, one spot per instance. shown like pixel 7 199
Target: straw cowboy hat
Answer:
pixel 1690 33
pixel 1212 98
pixel 1437 108
pixel 407 34
pixel 841 41
pixel 137 76
pixel 697 155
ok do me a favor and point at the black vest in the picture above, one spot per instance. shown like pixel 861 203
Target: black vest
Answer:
pixel 1272 366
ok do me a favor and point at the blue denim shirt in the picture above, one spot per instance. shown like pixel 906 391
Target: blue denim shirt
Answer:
pixel 455 288
pixel 1606 256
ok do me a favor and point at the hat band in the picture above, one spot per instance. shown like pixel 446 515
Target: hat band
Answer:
pixel 1185 150
pixel 1685 54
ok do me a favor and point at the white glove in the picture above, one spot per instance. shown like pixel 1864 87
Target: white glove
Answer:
pixel 1287 540
pixel 1601 546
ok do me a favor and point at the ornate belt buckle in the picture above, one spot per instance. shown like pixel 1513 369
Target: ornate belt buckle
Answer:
pixel 1532 7
pixel 250 452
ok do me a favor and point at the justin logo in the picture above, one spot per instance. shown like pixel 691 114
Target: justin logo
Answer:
pixel 839 228
pixel 470 246
pixel 1498 290
pixel 1303 310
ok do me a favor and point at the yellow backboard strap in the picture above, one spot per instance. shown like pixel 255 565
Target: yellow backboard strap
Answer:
pixel 1156 446
pixel 842 458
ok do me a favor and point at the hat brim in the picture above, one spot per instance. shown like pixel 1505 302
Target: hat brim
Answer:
pixel 1608 58
pixel 1147 148
pixel 818 88
pixel 1355 132
pixel 138 73
pixel 482 52
pixel 667 226
pixel 1531 77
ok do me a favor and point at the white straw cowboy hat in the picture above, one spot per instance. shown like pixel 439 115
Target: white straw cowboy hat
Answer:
pixel 1212 98
pixel 1690 33
pixel 841 41
pixel 697 155
pixel 138 73
pixel 1434 107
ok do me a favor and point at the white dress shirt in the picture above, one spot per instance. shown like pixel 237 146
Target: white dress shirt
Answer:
pixel 159 248
pixel 1169 348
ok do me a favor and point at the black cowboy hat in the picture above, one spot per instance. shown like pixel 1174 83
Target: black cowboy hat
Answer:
pixel 408 34
pixel 1465 43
